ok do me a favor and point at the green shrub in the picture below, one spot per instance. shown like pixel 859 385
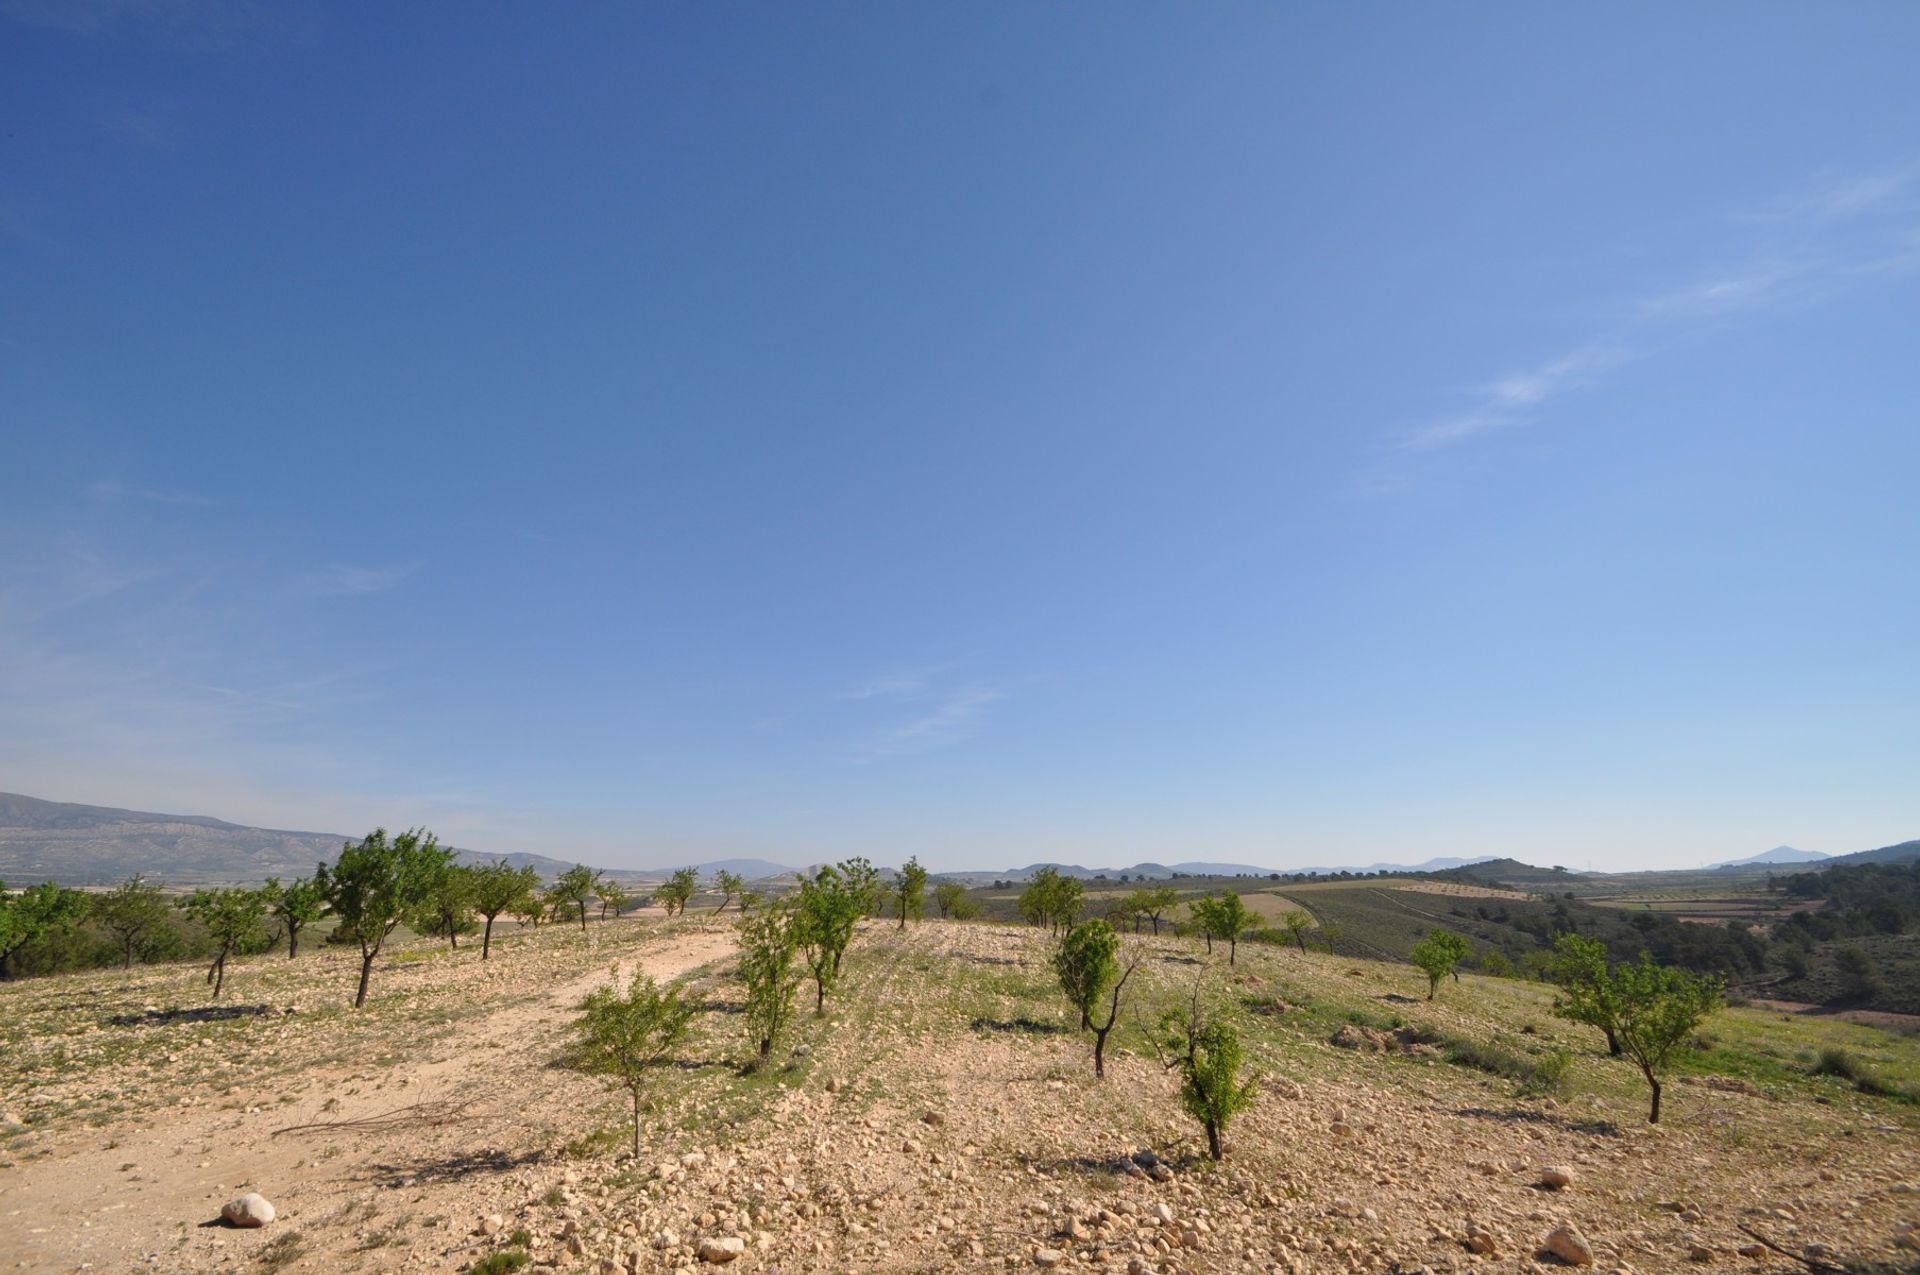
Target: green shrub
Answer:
pixel 1536 1074
pixel 1850 1068
pixel 503 1262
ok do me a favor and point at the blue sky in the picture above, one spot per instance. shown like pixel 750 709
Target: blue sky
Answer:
pixel 1283 434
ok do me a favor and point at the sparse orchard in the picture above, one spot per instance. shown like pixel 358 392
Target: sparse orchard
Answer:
pixel 611 895
pixel 42 911
pixel 953 901
pixel 447 910
pixel 678 890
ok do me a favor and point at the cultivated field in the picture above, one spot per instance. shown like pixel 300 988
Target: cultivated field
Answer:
pixel 942 1115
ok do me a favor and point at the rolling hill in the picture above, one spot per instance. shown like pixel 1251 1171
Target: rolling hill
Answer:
pixel 77 844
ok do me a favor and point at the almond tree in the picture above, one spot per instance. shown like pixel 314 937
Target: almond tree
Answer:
pixel 373 885
pixel 626 1036
pixel 768 943
pixel 572 890
pixel 1233 922
pixel 677 890
pixel 1438 955
pixel 1297 922
pixel 40 912
pixel 1201 1042
pixel 131 911
pixel 296 906
pixel 728 884
pixel 910 891
pixel 611 895
pixel 1657 1008
pixel 1087 963
pixel 824 918
pixel 232 919
pixel 1586 983
pixel 499 887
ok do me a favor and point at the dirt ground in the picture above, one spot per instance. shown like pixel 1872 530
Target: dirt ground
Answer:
pixel 941 1115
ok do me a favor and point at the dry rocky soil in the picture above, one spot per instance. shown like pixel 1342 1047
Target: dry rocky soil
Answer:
pixel 941 1115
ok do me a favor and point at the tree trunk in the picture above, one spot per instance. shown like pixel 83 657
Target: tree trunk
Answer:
pixel 1653 1116
pixel 453 933
pixel 1209 944
pixel 486 942
pixel 1213 1139
pixel 1613 1043
pixel 819 995
pixel 1156 925
pixel 1100 1052
pixel 220 974
pixel 636 1124
pixel 583 916
pixel 293 940
pixel 366 972
pixel 129 964
pixel 1233 952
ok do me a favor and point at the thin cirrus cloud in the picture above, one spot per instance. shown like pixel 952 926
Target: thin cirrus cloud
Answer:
pixel 1846 232
pixel 953 717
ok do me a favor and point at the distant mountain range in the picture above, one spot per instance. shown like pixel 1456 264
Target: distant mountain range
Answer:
pixel 97 845
pixel 1779 854
pixel 1162 871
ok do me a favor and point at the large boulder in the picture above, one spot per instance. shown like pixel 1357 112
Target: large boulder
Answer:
pixel 1569 1246
pixel 723 1248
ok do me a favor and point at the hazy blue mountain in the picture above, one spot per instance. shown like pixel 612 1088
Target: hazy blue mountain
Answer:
pixel 77 844
pixel 1779 854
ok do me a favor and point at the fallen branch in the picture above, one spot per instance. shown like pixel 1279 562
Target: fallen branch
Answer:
pixel 1811 1263
pixel 424 1115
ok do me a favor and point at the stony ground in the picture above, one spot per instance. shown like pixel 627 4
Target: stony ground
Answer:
pixel 940 1116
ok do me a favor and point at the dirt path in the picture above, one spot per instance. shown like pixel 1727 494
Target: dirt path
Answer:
pixel 150 1197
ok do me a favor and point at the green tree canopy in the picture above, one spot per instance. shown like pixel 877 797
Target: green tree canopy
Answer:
pixel 375 884
pixel 910 891
pixel 41 911
pixel 1202 1043
pixel 1438 955
pixel 769 939
pixel 571 890
pixel 131 911
pixel 625 1036
pixel 234 919
pixel 825 915
pixel 295 905
pixel 728 884
pixel 1586 985
pixel 1657 1008
pixel 1088 965
pixel 500 887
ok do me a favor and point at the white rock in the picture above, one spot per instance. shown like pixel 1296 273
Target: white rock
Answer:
pixel 1554 1177
pixel 1048 1257
pixel 1567 1244
pixel 491 1224
pixel 251 1209
pixel 722 1248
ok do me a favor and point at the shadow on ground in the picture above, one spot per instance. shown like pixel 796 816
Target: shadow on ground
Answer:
pixel 202 1014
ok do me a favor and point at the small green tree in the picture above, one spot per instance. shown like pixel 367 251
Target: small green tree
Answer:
pixel 1234 922
pixel 500 887
pixel 769 940
pixel 1205 915
pixel 373 885
pixel 910 891
pixel 728 884
pixel 626 1036
pixel 824 917
pixel 1438 955
pixel 1201 1042
pixel 678 890
pixel 611 895
pixel 571 890
pixel 131 911
pixel 1052 899
pixel 295 906
pixel 446 912
pixel 1088 965
pixel 233 919
pixel 1296 923
pixel 1658 1008
pixel 1156 902
pixel 862 881
pixel 42 911
pixel 955 902
pixel 1586 985
pixel 530 908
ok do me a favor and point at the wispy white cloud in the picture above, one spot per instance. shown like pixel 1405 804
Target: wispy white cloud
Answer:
pixel 116 489
pixel 1819 241
pixel 955 716
pixel 342 581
